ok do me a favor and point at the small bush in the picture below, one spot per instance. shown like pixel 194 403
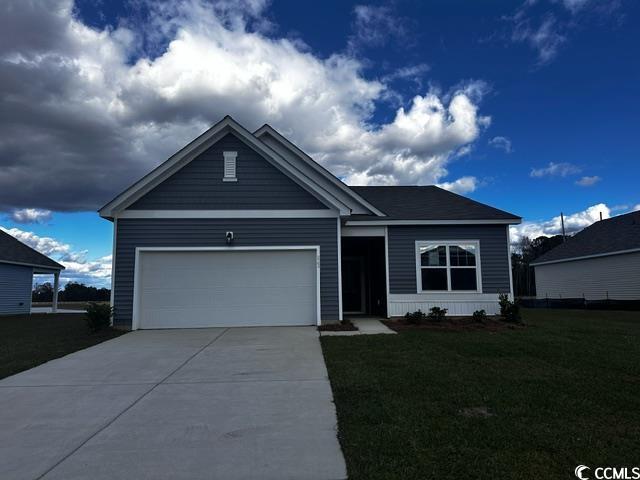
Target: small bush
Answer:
pixel 479 316
pixel 415 318
pixel 509 311
pixel 437 314
pixel 98 316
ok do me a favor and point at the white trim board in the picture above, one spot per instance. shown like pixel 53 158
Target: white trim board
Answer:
pixel 368 223
pixel 135 316
pixel 586 257
pixel 339 244
pixel 325 213
pixel 363 231
pixel 198 146
pixel 41 267
pixel 307 160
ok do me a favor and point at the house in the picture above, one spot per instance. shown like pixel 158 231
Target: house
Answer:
pixel 18 264
pixel 601 262
pixel 243 229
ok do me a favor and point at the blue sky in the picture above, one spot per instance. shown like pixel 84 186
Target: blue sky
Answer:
pixel 544 97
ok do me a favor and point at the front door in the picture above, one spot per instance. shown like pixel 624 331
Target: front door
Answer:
pixel 353 295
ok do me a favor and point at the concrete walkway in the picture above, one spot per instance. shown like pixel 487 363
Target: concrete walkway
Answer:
pixel 366 326
pixel 175 404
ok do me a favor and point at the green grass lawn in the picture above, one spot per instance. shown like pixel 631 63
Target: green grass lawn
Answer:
pixel 29 340
pixel 563 391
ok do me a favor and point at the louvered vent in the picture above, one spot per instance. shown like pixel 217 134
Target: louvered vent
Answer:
pixel 230 166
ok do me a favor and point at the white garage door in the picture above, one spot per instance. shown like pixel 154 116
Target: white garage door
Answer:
pixel 190 289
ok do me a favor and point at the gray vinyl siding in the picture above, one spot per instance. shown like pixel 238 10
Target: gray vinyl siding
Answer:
pixel 616 277
pixel 494 257
pixel 199 184
pixel 15 289
pixel 132 233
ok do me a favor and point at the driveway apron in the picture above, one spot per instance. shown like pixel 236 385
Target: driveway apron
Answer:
pixel 235 403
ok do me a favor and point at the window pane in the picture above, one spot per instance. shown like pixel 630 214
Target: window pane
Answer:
pixel 463 279
pixel 433 256
pixel 462 255
pixel 434 279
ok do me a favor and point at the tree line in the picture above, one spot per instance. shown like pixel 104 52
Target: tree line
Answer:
pixel 527 250
pixel 72 292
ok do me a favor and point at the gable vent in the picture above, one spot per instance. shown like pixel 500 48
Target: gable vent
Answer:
pixel 230 166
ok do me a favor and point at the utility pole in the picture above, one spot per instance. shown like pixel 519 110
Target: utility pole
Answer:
pixel 562 222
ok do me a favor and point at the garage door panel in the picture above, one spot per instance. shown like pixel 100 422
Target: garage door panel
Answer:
pixel 203 297
pixel 181 289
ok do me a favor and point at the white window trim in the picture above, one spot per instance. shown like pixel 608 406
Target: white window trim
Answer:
pixel 448 243
pixel 230 158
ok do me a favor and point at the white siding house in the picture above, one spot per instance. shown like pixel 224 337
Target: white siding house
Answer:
pixel 613 276
pixel 602 262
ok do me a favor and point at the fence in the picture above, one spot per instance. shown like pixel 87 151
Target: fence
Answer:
pixel 604 304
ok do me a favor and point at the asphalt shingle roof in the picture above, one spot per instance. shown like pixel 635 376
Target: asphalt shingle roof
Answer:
pixel 14 251
pixel 613 235
pixel 427 203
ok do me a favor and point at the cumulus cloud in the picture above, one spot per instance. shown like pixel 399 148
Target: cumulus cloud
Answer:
pixel 461 185
pixel 31 215
pixel 78 268
pixel 588 181
pixel 573 223
pixel 102 107
pixel 501 143
pixel 562 169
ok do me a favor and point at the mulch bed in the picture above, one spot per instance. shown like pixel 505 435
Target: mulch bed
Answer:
pixel 344 326
pixel 491 324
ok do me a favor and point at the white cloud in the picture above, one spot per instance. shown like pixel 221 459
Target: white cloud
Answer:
pixel 76 94
pixel 502 143
pixel 31 215
pixel 573 223
pixel 461 185
pixel 588 181
pixel 562 169
pixel 636 208
pixel 375 25
pixel 77 267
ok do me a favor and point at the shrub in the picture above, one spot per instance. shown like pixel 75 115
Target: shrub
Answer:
pixel 437 314
pixel 98 316
pixel 509 311
pixel 479 316
pixel 416 318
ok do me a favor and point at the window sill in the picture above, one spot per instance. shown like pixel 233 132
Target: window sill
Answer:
pixel 229 179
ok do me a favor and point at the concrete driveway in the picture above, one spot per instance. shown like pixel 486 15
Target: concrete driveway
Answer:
pixel 175 404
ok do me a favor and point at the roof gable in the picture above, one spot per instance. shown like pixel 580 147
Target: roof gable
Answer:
pixel 14 251
pixel 201 185
pixel 199 145
pixel 300 160
pixel 606 237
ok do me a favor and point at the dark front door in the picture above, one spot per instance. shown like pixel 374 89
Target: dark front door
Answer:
pixel 353 297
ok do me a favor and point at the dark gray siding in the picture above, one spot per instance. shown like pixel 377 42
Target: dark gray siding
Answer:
pixel 132 233
pixel 494 259
pixel 199 184
pixel 15 289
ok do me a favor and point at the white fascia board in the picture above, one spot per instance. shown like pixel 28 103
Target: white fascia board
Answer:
pixel 196 147
pixel 35 266
pixel 368 223
pixel 288 145
pixel 326 213
pixel 587 257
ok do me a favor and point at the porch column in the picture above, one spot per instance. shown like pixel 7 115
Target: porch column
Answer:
pixel 56 285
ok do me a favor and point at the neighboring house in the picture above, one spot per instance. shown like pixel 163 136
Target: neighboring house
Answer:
pixel 601 262
pixel 242 228
pixel 18 264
